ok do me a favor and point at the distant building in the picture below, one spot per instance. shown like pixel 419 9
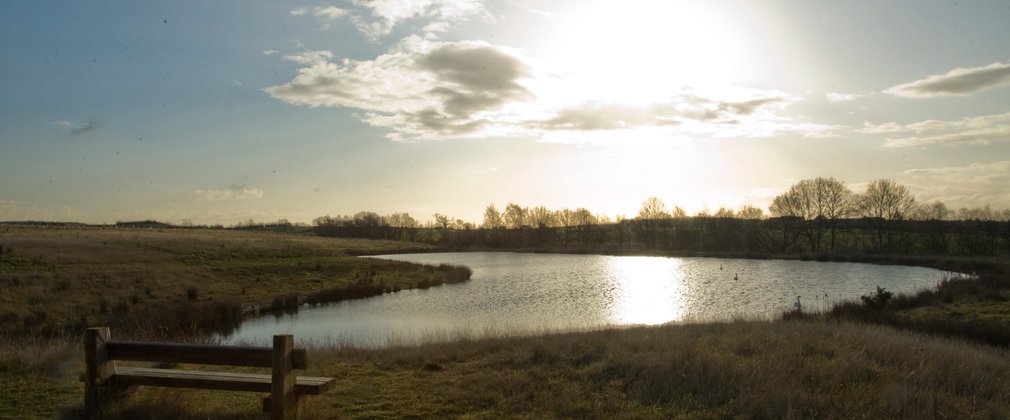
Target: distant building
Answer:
pixel 145 224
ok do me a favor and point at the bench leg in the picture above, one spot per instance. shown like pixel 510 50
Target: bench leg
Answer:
pixel 282 383
pixel 297 408
pixel 98 370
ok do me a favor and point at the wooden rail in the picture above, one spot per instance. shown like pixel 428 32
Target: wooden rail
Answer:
pixel 103 380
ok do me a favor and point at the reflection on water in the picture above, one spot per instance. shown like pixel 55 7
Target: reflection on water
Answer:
pixel 515 293
pixel 646 290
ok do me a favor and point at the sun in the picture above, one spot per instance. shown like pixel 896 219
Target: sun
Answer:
pixel 639 52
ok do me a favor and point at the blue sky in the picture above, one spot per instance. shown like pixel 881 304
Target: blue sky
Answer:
pixel 218 112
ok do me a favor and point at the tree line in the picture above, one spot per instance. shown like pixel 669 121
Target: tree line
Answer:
pixel 819 215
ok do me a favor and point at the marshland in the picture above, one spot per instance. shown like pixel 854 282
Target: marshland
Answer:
pixel 510 209
pixel 933 350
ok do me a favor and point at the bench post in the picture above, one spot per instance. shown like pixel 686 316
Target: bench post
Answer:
pixel 98 369
pixel 282 384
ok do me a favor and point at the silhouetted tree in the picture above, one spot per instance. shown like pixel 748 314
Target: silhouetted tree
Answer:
pixel 821 200
pixel 750 212
pixel 583 220
pixel 492 218
pixel 653 208
pixel 540 217
pixel 515 216
pixel 442 220
pixel 400 220
pixel 650 217
pixel 725 213
pixel 886 202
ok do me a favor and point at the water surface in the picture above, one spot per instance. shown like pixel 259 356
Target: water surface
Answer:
pixel 517 293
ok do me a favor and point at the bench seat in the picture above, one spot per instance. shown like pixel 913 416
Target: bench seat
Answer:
pixel 228 381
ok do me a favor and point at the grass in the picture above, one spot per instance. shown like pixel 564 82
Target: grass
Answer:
pixel 57 280
pixel 742 369
pixel 970 307
pixel 832 365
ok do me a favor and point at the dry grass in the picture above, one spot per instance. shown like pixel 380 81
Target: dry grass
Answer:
pixel 56 280
pixel 741 369
pixel 785 369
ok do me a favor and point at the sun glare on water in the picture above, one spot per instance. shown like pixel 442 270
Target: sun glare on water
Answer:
pixel 647 290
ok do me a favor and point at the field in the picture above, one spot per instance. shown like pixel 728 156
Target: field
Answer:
pixel 56 280
pixel 820 366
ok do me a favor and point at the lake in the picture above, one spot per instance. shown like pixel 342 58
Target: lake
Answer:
pixel 521 294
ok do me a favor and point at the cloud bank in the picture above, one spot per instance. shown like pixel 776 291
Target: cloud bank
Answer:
pixel 960 81
pixel 233 192
pixel 377 18
pixel 974 185
pixel 420 89
pixel 980 130
pixel 424 89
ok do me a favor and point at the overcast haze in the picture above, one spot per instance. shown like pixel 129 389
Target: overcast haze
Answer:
pixel 222 111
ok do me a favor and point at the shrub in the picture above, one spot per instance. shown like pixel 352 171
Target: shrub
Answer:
pixel 878 299
pixel 191 293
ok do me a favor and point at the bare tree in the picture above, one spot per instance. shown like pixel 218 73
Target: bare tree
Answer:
pixel 821 200
pixel 367 219
pixel 540 217
pixel 515 216
pixel 442 220
pixel 725 212
pixel 750 212
pixel 565 217
pixel 583 220
pixel 886 202
pixel 492 218
pixel 400 220
pixel 936 210
pixel 583 217
pixel 653 208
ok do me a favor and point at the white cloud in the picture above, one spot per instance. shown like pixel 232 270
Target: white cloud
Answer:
pixel 327 15
pixel 377 18
pixel 689 113
pixel 74 129
pixel 888 127
pixel 960 81
pixel 842 97
pixel 310 57
pixel 974 185
pixel 329 12
pixel 421 89
pixel 999 134
pixel 425 89
pixel 233 192
pixel 384 15
pixel 270 52
pixel 986 172
pixel 968 123
pixel 980 130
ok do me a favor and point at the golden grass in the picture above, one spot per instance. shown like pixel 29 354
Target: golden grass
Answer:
pixel 54 279
pixel 785 369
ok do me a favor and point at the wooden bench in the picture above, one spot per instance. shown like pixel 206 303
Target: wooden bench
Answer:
pixel 103 380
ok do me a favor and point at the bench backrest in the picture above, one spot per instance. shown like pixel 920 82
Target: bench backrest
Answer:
pixel 200 354
pixel 101 352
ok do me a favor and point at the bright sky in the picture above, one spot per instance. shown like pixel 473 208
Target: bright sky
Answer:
pixel 221 111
